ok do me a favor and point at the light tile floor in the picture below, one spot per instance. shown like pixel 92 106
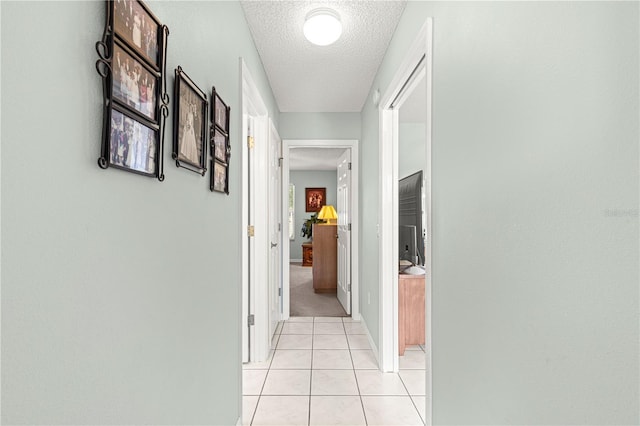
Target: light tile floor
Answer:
pixel 323 372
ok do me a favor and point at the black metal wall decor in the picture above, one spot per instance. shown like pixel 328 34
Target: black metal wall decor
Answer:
pixel 132 63
pixel 190 127
pixel 219 144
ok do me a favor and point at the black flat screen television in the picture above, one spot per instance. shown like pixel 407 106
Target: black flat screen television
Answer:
pixel 411 232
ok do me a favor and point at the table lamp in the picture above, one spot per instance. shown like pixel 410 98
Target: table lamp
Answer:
pixel 328 213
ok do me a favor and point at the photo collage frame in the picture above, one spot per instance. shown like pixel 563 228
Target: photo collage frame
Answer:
pixel 219 144
pixel 132 61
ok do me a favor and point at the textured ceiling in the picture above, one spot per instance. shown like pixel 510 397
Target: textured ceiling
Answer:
pixel 309 78
pixel 314 158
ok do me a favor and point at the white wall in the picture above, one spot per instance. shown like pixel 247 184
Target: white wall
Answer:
pixel 319 125
pixel 309 179
pixel 120 294
pixel 535 209
pixel 411 149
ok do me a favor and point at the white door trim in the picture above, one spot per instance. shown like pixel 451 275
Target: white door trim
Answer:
pixel 254 256
pixel 388 210
pixel 355 224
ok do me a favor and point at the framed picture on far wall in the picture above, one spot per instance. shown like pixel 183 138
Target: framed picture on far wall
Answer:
pixel 134 23
pixel 132 144
pixel 315 198
pixel 190 127
pixel 219 177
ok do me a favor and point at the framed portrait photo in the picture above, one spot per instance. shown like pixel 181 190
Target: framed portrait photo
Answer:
pixel 133 145
pixel 220 145
pixel 134 83
pixel 219 112
pixel 219 177
pixel 190 127
pixel 134 23
pixel 315 198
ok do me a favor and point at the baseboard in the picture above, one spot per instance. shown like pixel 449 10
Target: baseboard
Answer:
pixel 295 260
pixel 374 348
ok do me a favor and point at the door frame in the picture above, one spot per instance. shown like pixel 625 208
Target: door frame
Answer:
pixel 256 341
pixel 421 50
pixel 351 144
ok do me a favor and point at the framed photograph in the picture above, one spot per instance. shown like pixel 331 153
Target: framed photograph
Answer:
pixel 134 23
pixel 315 198
pixel 219 177
pixel 134 84
pixel 220 112
pixel 132 144
pixel 132 65
pixel 219 145
pixel 190 127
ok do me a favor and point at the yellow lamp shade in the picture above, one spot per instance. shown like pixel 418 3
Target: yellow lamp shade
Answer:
pixel 328 213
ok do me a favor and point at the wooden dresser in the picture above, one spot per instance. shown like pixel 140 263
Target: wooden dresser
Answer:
pixel 410 311
pixel 325 258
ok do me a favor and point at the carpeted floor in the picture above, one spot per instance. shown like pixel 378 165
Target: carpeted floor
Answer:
pixel 304 302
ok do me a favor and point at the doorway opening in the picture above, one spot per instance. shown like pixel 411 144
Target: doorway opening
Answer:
pixel 344 229
pixel 414 74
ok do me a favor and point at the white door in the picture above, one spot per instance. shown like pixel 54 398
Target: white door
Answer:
pixel 275 228
pixel 344 231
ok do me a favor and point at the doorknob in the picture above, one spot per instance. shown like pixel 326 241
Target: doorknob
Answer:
pixel 274 245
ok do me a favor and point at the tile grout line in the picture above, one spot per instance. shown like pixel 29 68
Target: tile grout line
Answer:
pixel 313 333
pixel 255 410
pixel 364 413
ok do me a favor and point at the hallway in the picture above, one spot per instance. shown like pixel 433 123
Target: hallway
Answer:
pixel 323 372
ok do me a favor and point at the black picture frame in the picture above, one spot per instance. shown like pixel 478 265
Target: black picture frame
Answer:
pixel 219 145
pixel 137 110
pixel 132 144
pixel 219 112
pixel 135 24
pixel 134 83
pixel 219 177
pixel 190 124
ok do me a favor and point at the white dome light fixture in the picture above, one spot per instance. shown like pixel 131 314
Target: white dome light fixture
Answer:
pixel 322 27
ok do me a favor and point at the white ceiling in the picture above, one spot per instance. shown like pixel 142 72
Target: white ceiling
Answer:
pixel 314 158
pixel 309 78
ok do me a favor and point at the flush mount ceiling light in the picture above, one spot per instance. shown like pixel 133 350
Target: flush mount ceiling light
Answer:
pixel 322 26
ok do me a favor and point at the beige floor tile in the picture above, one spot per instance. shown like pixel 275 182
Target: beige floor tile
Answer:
pixel 298 328
pixel 292 359
pixel 330 341
pixel 295 341
pixel 373 382
pixel 300 319
pixel 413 360
pixel 331 359
pixel 358 341
pixel 390 410
pixel 354 328
pixel 364 359
pixel 421 403
pixel 333 382
pixel 282 411
pixel 327 319
pixel 249 404
pixel 252 381
pixel 287 382
pixel 328 328
pixel 414 381
pixel 336 410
